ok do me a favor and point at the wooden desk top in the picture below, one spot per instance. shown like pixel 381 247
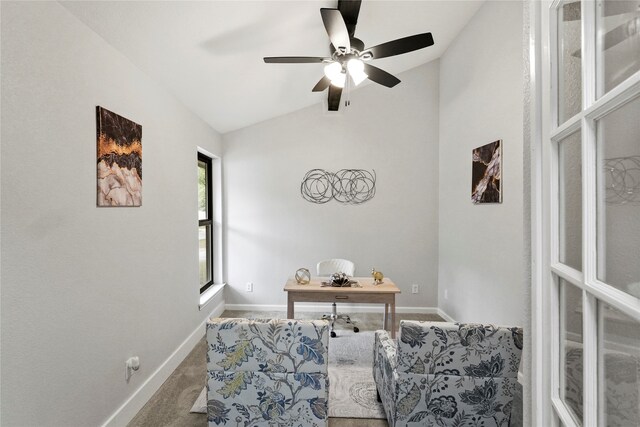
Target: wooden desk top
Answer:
pixel 366 286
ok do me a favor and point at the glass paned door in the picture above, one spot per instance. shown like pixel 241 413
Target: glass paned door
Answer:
pixel 618 164
pixel 619 368
pixel 570 69
pixel 617 42
pixel 590 211
pixel 571 349
pixel 570 200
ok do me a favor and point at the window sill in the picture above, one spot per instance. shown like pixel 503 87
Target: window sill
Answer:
pixel 208 295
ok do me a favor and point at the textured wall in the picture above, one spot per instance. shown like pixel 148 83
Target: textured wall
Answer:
pixel 272 231
pixel 528 13
pixel 481 95
pixel 84 288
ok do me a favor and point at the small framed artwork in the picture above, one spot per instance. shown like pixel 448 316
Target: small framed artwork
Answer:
pixel 119 158
pixel 486 172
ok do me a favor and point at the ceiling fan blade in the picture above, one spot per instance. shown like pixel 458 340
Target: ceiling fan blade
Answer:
pixel 336 28
pixel 334 98
pixel 350 9
pixel 380 76
pixel 293 59
pixel 322 84
pixel 400 46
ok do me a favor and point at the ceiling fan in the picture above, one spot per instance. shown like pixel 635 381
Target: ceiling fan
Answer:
pixel 349 57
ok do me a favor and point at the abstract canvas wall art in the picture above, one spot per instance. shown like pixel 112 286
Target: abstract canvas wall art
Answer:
pixel 486 173
pixel 119 160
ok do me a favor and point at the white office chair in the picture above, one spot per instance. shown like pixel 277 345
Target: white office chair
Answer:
pixel 326 268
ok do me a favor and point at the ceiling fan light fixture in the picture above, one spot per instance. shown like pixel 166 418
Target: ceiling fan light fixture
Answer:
pixel 356 70
pixel 333 70
pixel 339 80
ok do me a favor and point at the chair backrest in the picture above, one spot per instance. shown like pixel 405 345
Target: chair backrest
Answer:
pixel 241 345
pixel 455 368
pixel 329 266
pixel 267 372
pixel 466 349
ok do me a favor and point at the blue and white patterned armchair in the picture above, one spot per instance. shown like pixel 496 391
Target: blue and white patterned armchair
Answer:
pixel 447 374
pixel 267 372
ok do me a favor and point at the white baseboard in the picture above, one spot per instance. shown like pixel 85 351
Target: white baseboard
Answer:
pixel 351 308
pixel 445 316
pixel 125 413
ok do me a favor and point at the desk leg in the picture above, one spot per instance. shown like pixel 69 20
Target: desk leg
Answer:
pixel 289 306
pixel 385 318
pixel 393 318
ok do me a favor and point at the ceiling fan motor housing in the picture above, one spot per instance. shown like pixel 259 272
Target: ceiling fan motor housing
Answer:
pixel 356 44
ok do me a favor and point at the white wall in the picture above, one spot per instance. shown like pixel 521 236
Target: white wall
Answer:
pixel 481 100
pixel 84 288
pixel 272 230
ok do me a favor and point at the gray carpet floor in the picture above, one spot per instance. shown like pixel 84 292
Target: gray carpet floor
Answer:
pixel 170 405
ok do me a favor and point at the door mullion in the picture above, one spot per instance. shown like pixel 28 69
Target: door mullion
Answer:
pixel 590 360
pixel 589 255
pixel 600 362
pixel 589 268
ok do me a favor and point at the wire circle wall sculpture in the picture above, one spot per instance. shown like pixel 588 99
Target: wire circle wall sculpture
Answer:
pixel 348 186
pixel 623 180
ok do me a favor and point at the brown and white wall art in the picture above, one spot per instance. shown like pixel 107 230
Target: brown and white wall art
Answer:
pixel 119 160
pixel 486 173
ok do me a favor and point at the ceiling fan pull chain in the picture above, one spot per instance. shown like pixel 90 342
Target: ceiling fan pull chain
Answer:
pixel 347 91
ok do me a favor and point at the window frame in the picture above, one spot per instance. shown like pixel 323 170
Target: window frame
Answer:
pixel 208 161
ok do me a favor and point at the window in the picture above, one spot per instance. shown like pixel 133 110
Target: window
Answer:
pixel 205 222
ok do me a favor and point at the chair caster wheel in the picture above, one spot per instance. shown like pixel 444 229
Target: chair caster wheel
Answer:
pixel 333 334
pixel 355 329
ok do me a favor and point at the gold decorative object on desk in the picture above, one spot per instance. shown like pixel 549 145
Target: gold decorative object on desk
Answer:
pixel 303 277
pixel 377 276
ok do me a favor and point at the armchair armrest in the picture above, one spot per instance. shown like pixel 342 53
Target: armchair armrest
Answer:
pixel 384 370
pixel 384 351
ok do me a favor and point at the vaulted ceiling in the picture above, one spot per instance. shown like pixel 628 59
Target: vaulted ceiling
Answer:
pixel 209 53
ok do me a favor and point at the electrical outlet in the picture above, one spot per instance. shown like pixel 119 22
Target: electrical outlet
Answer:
pixel 249 287
pixel 131 364
pixel 446 294
pixel 415 289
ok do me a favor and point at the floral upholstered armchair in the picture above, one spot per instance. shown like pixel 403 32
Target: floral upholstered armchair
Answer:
pixel 267 372
pixel 447 374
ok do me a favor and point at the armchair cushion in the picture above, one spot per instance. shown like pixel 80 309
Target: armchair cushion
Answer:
pixel 267 372
pixel 448 374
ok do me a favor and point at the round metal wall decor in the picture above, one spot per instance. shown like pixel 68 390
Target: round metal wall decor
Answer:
pixel 303 277
pixel 348 186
